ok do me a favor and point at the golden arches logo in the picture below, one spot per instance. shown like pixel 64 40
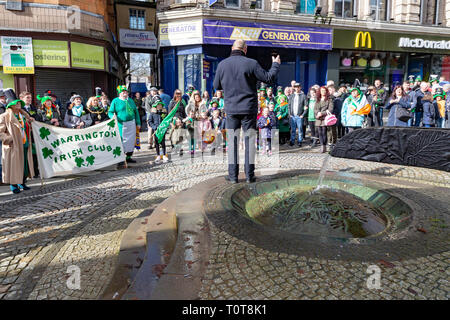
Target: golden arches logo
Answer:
pixel 365 37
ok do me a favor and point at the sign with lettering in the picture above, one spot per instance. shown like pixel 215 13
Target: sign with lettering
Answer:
pixel 17 55
pixel 180 33
pixel 63 151
pixel 138 39
pixel 87 56
pixel 51 53
pixel 267 35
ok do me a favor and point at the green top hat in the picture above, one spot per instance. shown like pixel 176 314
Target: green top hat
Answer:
pixel 418 78
pixel 262 88
pixel 12 103
pixel 121 89
pixel 157 102
pixel 43 99
pixel 434 78
pixel 439 93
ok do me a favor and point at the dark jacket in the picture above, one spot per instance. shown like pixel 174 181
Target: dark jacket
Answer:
pixel 219 127
pixel 381 96
pixel 2 108
pixel 429 113
pixel 155 119
pixel 393 112
pixel 181 112
pixel 72 121
pixel 301 105
pixel 417 101
pixel 33 112
pixel 237 76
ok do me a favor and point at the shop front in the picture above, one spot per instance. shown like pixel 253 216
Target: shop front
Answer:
pixel 367 55
pixel 303 51
pixel 63 66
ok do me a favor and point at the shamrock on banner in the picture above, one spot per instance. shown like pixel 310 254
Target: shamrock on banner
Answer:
pixel 63 151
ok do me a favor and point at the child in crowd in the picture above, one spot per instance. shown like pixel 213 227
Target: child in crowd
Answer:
pixel 265 124
pixel 204 125
pixel 176 136
pixel 216 124
pixel 158 113
pixel 189 123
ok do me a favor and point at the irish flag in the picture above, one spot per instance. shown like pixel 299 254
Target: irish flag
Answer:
pixel 361 107
pixel 162 128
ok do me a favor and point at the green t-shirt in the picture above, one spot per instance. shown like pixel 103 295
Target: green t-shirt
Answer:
pixel 311 104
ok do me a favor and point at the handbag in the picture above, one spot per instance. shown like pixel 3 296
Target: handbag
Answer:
pixel 330 119
pixel 402 114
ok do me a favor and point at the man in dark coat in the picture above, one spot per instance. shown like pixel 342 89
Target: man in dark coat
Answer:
pixel 237 76
pixel 297 111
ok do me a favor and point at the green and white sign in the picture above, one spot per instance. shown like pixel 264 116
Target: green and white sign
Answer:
pixel 63 151
pixel 87 56
pixel 17 55
pixel 51 53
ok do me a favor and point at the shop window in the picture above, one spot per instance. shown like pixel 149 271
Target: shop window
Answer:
pixel 137 19
pixel 306 6
pixel 191 67
pixel 259 5
pixel 345 8
pixel 232 3
pixel 379 10
pixel 441 66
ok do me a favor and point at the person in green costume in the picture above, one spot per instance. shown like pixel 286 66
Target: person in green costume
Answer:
pixel 282 114
pixel 128 120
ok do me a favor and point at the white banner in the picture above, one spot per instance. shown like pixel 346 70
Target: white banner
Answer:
pixel 137 39
pixel 62 151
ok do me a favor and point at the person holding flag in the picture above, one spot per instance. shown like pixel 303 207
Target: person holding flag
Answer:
pixel 128 121
pixel 160 122
pixel 354 109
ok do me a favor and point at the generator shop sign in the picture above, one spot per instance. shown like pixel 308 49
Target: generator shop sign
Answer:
pixel 424 44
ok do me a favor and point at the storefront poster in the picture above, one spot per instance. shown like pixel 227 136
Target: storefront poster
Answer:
pixel 267 35
pixel 17 55
pixel 51 53
pixel 87 56
pixel 180 33
pixel 137 39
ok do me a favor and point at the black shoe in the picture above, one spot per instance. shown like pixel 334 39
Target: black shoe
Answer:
pixel 299 145
pixel 251 180
pixel 231 180
pixel 24 186
pixel 291 143
pixel 131 160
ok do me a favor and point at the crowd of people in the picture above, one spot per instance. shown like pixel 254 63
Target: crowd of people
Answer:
pixel 327 113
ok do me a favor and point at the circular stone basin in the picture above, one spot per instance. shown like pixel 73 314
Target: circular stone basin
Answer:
pixel 340 210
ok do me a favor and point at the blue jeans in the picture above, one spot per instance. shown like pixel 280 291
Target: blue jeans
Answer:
pixel 380 116
pixel 296 122
pixel 428 126
pixel 417 118
pixel 440 123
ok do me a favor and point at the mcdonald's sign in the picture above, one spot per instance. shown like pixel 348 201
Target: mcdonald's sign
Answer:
pixel 362 38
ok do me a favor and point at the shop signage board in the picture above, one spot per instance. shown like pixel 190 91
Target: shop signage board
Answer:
pixel 51 53
pixel 87 56
pixel 17 55
pixel 267 35
pixel 136 39
pixel 388 41
pixel 180 33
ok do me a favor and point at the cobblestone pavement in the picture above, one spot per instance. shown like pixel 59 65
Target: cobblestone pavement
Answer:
pixel 81 222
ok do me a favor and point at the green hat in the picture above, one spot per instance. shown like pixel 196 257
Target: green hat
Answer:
pixel 157 102
pixel 12 103
pixel 43 99
pixel 411 79
pixel 263 88
pixel 439 93
pixel 434 78
pixel 418 78
pixel 121 89
pixel 357 89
